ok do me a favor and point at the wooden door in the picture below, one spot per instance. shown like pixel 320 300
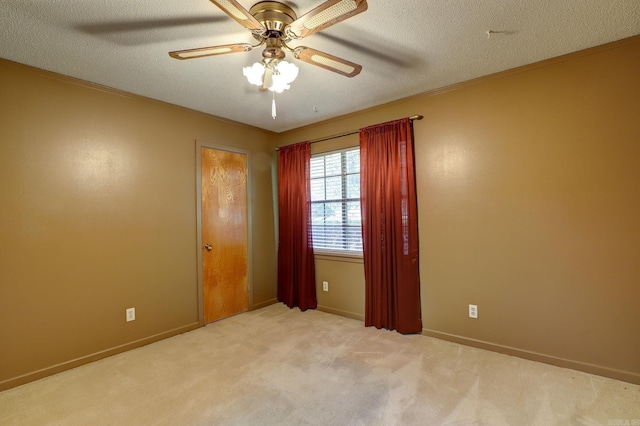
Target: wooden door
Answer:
pixel 224 233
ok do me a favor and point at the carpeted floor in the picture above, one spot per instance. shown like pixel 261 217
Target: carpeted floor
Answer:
pixel 277 366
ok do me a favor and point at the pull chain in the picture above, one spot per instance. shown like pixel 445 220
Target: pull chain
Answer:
pixel 273 106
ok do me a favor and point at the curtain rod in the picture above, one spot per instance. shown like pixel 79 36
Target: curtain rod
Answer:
pixel 352 132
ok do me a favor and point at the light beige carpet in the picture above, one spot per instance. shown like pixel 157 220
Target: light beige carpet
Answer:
pixel 277 366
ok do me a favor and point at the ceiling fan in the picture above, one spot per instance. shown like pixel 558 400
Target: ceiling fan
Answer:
pixel 274 24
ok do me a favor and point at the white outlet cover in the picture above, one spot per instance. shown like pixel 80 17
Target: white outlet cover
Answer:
pixel 473 311
pixel 131 314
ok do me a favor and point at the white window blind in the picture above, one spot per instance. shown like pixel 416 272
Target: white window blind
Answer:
pixel 335 198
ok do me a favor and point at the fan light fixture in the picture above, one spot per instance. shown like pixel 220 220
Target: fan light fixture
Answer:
pixel 274 75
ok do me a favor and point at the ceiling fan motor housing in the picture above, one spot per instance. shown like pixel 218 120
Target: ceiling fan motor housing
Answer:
pixel 275 16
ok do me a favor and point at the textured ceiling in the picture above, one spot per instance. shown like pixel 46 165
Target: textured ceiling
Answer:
pixel 406 47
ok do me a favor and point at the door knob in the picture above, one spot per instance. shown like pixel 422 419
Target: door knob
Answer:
pixel 208 247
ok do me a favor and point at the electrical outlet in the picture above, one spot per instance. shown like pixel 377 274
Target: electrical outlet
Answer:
pixel 131 314
pixel 473 311
pixel 325 285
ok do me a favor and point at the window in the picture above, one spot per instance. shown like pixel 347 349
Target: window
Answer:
pixel 335 202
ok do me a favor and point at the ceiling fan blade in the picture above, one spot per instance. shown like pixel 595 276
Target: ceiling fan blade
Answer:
pixel 240 14
pixel 211 51
pixel 328 13
pixel 326 61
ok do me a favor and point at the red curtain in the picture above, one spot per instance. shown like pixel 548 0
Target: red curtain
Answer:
pixel 296 268
pixel 390 227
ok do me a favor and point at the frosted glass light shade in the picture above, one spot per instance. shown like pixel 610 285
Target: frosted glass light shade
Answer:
pixel 254 73
pixel 282 74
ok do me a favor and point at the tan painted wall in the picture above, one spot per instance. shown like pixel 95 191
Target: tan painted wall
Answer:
pixel 345 278
pixel 98 214
pixel 529 207
pixel 527 190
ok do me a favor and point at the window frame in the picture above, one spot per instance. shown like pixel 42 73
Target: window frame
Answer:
pixel 336 252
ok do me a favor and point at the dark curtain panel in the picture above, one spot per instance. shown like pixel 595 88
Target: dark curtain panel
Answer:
pixel 296 268
pixel 390 227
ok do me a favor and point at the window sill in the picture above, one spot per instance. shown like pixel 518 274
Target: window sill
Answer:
pixel 337 256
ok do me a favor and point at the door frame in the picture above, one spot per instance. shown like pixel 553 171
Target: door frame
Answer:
pixel 199 245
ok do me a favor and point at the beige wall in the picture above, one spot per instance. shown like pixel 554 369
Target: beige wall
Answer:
pixel 527 193
pixel 529 207
pixel 98 214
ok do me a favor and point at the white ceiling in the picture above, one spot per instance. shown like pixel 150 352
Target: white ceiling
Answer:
pixel 406 47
